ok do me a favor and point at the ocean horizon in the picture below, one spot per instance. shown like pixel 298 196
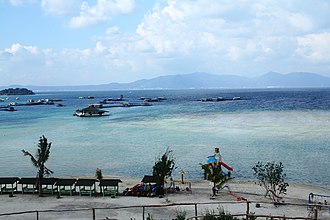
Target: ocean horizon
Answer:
pixel 282 125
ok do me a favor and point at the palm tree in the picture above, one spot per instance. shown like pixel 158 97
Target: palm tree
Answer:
pixel 40 159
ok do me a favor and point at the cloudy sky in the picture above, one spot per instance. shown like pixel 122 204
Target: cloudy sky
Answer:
pixel 82 42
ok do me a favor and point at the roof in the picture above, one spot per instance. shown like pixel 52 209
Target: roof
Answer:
pixel 28 180
pixel 85 182
pixel 110 182
pixel 93 109
pixel 49 181
pixel 65 182
pixel 148 179
pixel 8 180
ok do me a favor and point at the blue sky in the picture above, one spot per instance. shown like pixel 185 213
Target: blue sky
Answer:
pixel 77 42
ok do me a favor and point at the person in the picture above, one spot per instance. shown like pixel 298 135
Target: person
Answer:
pixel 217 155
pixel 215 159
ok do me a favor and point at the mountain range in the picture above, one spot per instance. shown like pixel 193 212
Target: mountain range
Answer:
pixel 201 80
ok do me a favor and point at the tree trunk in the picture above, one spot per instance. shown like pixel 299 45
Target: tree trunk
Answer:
pixel 40 176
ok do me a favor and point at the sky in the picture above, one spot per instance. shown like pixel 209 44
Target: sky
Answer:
pixel 88 42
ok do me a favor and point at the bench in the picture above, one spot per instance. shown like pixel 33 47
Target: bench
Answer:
pixel 65 186
pixel 86 186
pixel 28 184
pixel 110 187
pixel 8 184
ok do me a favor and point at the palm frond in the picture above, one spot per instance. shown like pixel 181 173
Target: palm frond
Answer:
pixel 33 160
pixel 48 171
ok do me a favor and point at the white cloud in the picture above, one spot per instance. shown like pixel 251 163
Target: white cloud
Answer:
pixel 180 37
pixel 102 11
pixel 60 7
pixel 315 47
pixel 300 21
pixel 17 48
pixel 228 31
pixel 21 2
pixel 16 2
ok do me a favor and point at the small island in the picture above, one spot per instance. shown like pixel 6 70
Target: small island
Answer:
pixel 16 91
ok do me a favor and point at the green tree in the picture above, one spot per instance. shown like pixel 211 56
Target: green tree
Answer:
pixel 163 167
pixel 272 178
pixel 99 176
pixel 40 159
pixel 216 176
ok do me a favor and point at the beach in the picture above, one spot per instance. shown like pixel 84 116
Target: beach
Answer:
pixel 80 207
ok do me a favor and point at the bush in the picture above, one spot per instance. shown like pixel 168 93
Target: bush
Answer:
pixel 210 215
pixel 271 177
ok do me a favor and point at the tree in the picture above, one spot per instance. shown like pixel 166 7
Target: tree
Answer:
pixel 163 167
pixel 99 176
pixel 39 161
pixel 216 176
pixel 272 178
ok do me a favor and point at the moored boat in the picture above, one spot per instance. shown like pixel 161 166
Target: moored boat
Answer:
pixel 91 111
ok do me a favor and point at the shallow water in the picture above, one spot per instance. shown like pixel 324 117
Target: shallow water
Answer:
pixel 291 126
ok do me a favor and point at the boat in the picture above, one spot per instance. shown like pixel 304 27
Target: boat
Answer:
pixel 90 111
pixel 10 109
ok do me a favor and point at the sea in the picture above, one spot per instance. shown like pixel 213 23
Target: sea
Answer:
pixel 291 126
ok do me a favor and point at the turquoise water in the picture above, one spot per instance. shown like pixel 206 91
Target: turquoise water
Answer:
pixel 291 126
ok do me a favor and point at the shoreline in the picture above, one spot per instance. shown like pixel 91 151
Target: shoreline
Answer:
pixel 200 193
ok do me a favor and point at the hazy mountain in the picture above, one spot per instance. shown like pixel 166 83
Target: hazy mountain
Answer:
pixel 207 81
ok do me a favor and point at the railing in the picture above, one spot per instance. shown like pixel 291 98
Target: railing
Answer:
pixel 247 214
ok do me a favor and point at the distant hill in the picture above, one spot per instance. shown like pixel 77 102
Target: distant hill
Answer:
pixel 200 80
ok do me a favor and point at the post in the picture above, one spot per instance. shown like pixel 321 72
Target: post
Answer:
pixel 196 210
pixel 37 215
pixel 143 212
pixel 315 213
pixel 93 210
pixel 247 210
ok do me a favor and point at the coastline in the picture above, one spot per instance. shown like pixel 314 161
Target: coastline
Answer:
pixel 200 193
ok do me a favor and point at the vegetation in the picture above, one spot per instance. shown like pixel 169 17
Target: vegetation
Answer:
pixel 149 217
pixel 40 159
pixel 99 176
pixel 222 215
pixel 17 91
pixel 216 176
pixel 271 177
pixel 163 167
pixel 180 215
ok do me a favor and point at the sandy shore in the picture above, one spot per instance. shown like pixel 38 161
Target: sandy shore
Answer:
pixel 201 193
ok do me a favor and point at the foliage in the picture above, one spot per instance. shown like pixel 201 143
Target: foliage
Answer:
pixel 149 217
pixel 163 167
pixel 40 159
pixel 210 215
pixel 216 176
pixel 271 177
pixel 16 91
pixel 180 215
pixel 98 174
